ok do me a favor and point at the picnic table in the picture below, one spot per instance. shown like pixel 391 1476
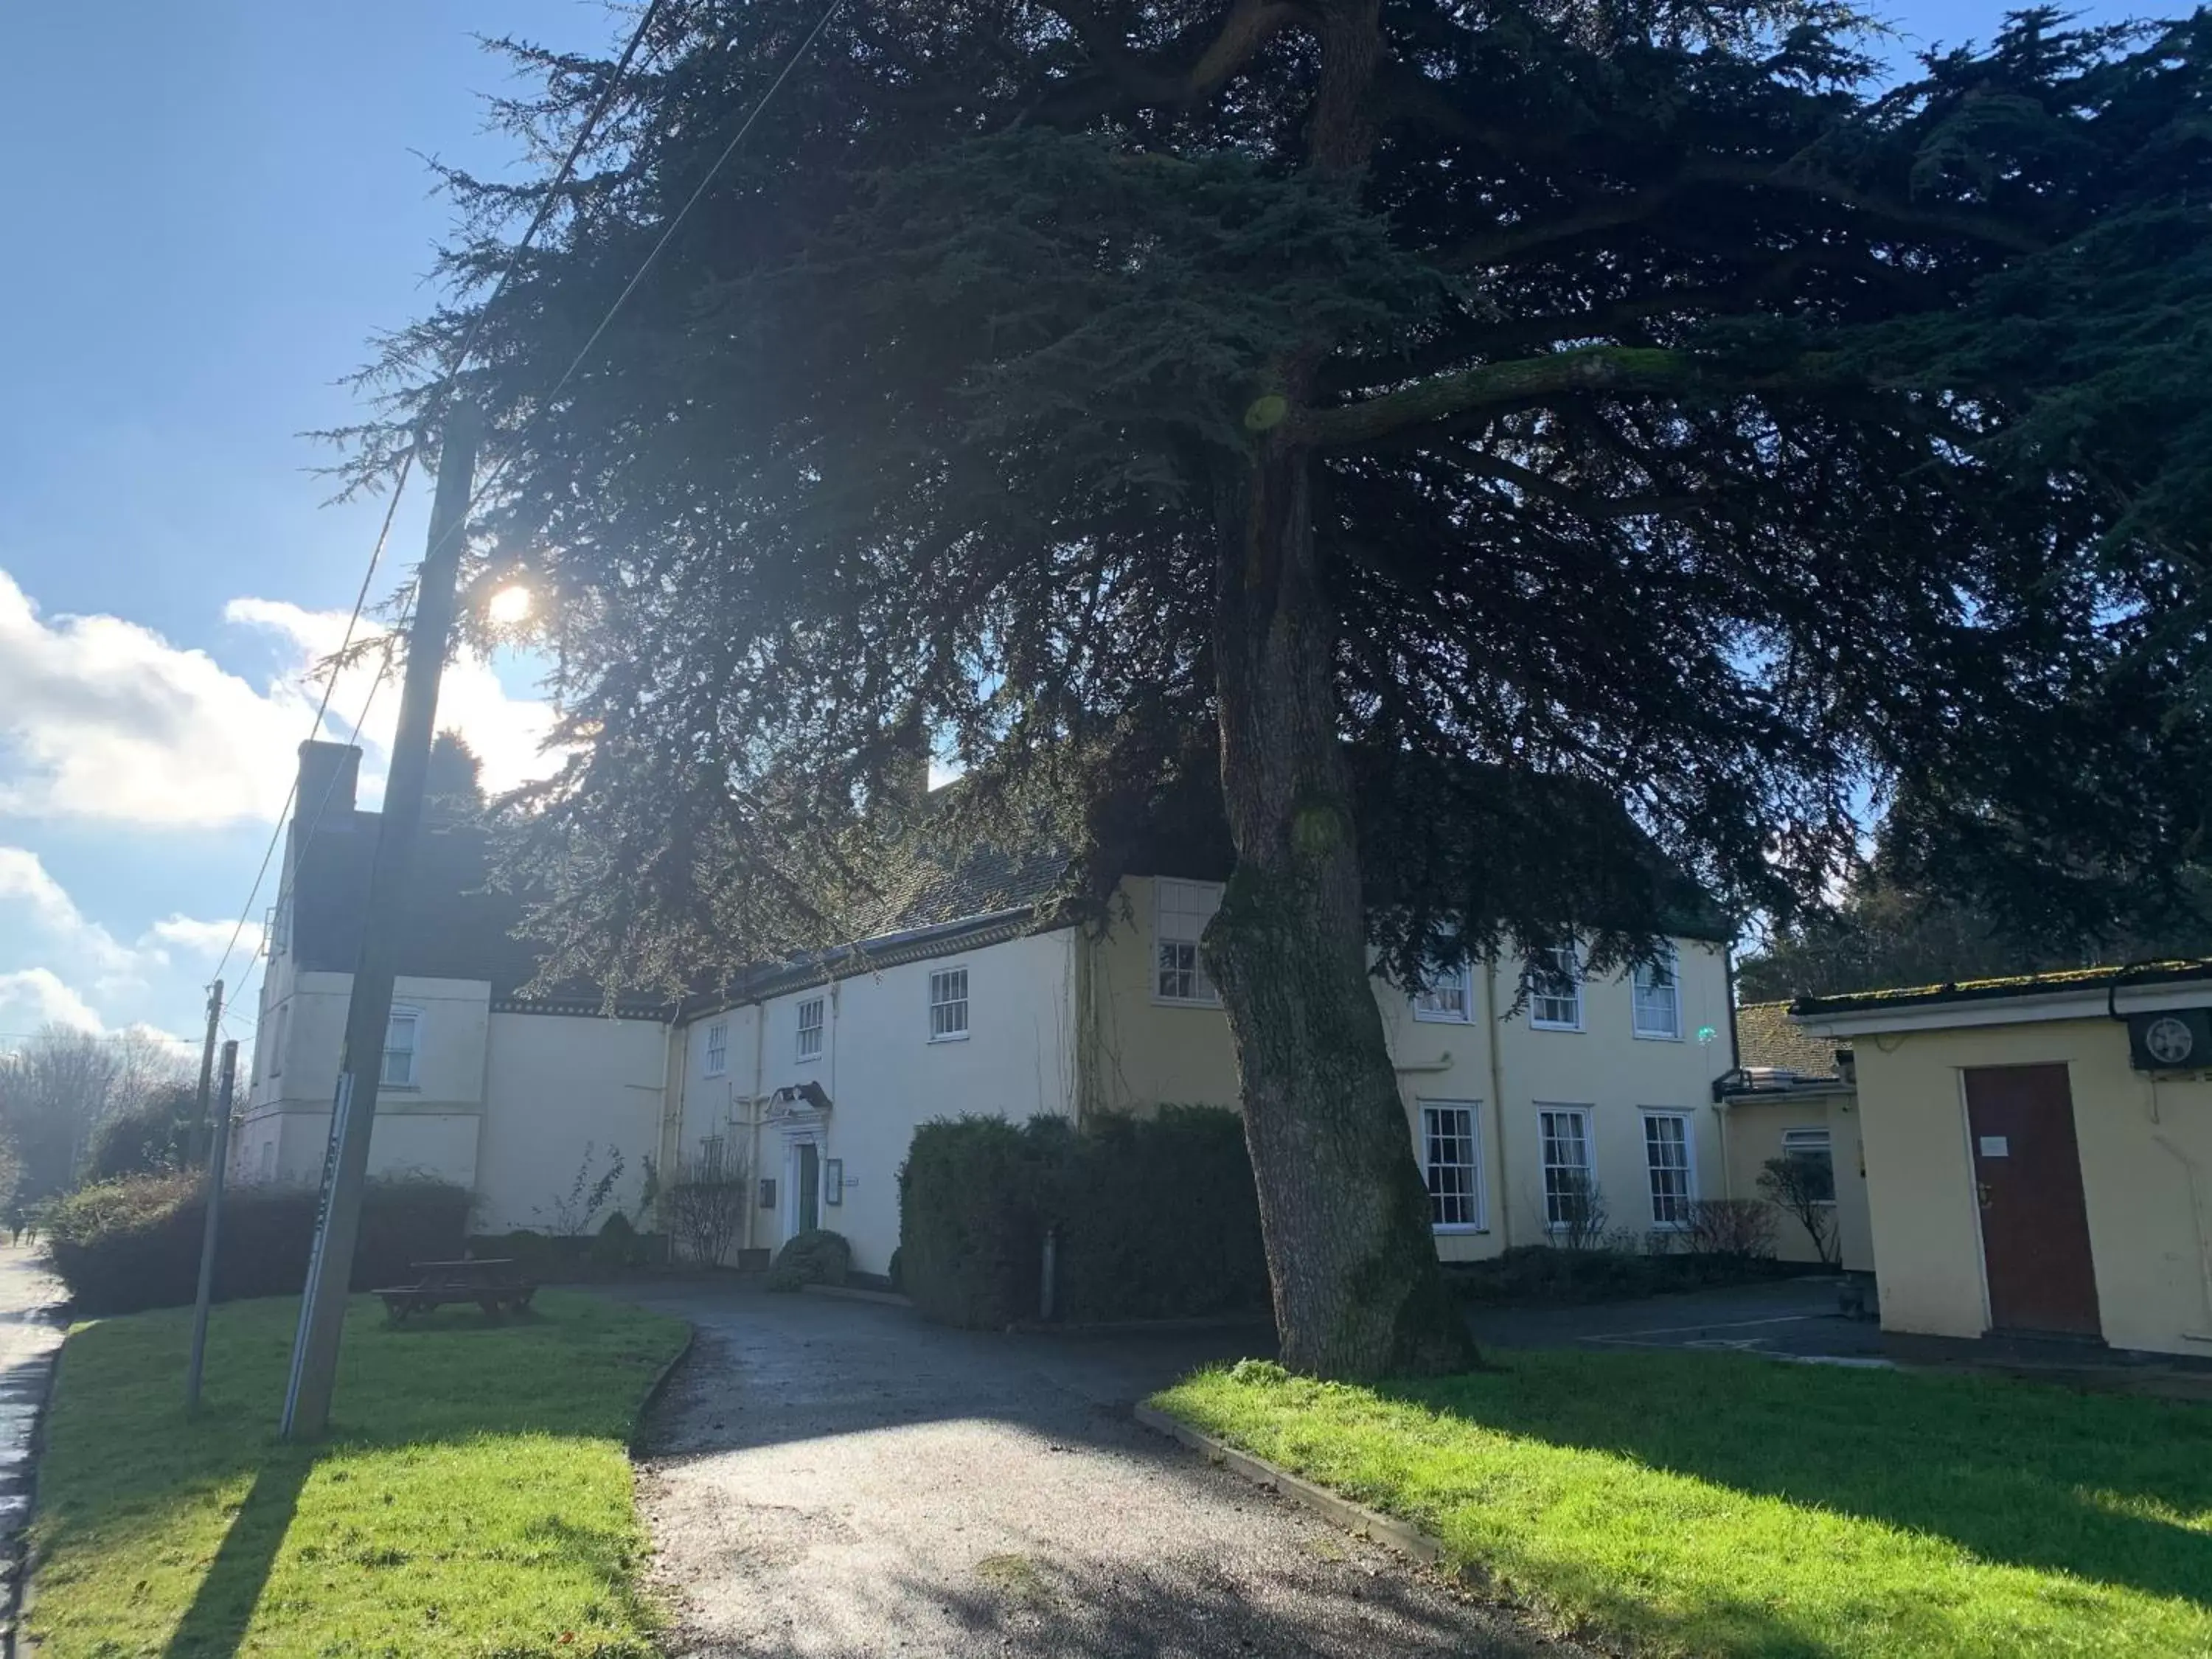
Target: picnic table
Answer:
pixel 489 1282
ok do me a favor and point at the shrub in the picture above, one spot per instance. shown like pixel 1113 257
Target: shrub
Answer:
pixel 148 1139
pixel 1541 1275
pixel 121 1246
pixel 1156 1217
pixel 617 1244
pixel 1738 1228
pixel 704 1206
pixel 815 1257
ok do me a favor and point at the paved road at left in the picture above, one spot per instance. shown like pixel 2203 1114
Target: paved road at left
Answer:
pixel 30 1335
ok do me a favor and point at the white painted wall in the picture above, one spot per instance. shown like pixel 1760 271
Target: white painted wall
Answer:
pixel 884 1077
pixel 555 1084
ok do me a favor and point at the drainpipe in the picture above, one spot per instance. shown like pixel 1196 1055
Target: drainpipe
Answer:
pixel 753 1116
pixel 1497 1097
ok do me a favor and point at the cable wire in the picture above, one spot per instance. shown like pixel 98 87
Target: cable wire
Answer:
pixel 545 209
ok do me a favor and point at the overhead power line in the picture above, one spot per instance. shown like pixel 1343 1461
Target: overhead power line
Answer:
pixel 461 356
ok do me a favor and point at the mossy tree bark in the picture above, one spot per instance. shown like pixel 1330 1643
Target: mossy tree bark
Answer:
pixel 1358 1290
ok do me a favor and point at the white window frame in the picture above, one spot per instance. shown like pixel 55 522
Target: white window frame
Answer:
pixel 411 1017
pixel 1804 1139
pixel 1545 1140
pixel 717 1062
pixel 1180 911
pixel 1476 1198
pixel 1671 964
pixel 1647 1116
pixel 820 1006
pixel 1568 962
pixel 1429 1011
pixel 942 998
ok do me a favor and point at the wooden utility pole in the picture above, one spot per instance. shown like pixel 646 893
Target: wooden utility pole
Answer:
pixel 210 1233
pixel 207 1076
pixel 361 1066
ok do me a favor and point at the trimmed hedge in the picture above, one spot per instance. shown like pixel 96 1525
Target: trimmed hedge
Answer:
pixel 1156 1217
pixel 123 1246
pixel 819 1257
pixel 1541 1276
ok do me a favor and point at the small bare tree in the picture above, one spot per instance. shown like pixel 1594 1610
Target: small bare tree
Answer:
pixel 1738 1228
pixel 703 1203
pixel 1577 1210
pixel 1806 1187
pixel 572 1212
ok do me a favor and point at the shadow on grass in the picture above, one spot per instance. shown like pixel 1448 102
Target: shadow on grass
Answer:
pixel 124 1463
pixel 215 1624
pixel 2114 1491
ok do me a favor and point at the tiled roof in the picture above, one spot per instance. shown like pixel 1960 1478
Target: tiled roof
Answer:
pixel 2018 985
pixel 1766 1035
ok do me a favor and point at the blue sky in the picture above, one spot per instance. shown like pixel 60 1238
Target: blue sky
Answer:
pixel 214 205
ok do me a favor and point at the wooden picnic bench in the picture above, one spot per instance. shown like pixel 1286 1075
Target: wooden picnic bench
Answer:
pixel 491 1283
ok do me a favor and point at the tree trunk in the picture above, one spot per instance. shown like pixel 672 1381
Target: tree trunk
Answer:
pixel 1343 1209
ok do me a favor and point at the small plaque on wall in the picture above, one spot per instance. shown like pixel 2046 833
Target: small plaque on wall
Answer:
pixel 767 1192
pixel 833 1181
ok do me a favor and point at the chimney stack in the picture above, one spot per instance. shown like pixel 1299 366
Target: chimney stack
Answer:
pixel 332 770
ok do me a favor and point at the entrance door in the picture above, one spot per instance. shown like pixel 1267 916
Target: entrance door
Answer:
pixel 2027 1175
pixel 809 1188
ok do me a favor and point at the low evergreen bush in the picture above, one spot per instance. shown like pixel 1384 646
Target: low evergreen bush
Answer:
pixel 1541 1275
pixel 816 1257
pixel 121 1246
pixel 1155 1218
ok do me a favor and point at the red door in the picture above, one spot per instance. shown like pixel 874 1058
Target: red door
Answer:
pixel 2028 1174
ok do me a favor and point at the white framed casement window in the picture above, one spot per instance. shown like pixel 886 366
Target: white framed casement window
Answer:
pixel 403 1035
pixel 1446 995
pixel 1180 911
pixel 1655 988
pixel 1814 1146
pixel 1569 1180
pixel 718 1049
pixel 1670 1159
pixel 948 1004
pixel 1555 989
pixel 809 1028
pixel 1451 1158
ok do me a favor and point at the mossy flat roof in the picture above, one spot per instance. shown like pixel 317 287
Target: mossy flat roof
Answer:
pixel 2014 985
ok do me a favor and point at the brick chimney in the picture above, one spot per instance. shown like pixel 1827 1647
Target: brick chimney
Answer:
pixel 331 769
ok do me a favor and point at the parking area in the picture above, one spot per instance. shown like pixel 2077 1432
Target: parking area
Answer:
pixel 1793 1319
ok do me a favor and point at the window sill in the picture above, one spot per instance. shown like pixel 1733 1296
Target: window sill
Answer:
pixel 399 1088
pixel 1546 1025
pixel 1456 1230
pixel 1658 1036
pixel 1420 1018
pixel 1159 1001
pixel 807 1059
pixel 711 1076
pixel 950 1037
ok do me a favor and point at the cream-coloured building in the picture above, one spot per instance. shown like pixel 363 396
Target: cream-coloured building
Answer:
pixel 976 998
pixel 1509 1111
pixel 1792 1096
pixel 2039 1153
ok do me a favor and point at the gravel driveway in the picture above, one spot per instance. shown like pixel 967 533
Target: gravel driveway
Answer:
pixel 828 1477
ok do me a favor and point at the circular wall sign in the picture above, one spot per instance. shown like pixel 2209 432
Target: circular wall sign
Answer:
pixel 2169 1041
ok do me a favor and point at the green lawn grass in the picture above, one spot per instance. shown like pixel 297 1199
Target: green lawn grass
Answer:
pixel 1714 1504
pixel 473 1496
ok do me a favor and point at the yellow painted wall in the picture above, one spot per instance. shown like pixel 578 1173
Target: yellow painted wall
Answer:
pixel 2146 1148
pixel 1755 1131
pixel 1138 1053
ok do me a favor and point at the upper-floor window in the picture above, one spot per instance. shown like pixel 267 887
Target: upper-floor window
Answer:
pixel 718 1049
pixel 1447 994
pixel 809 1028
pixel 1657 991
pixel 277 1041
pixel 948 1004
pixel 1180 911
pixel 402 1034
pixel 1555 989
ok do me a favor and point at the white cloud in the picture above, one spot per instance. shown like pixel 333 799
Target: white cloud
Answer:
pixel 51 913
pixel 504 732
pixel 36 996
pixel 103 719
pixel 206 938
